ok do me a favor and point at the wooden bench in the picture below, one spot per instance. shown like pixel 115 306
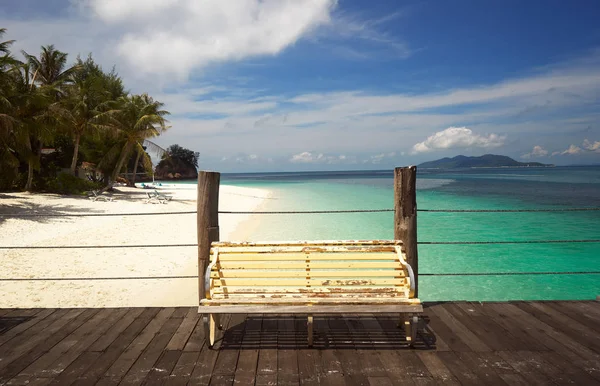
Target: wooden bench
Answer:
pixel 330 277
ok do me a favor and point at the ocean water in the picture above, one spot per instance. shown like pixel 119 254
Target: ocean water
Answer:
pixel 519 188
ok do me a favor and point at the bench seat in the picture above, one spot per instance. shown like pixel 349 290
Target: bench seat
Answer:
pixel 326 277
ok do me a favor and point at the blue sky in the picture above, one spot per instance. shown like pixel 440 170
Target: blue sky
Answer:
pixel 324 85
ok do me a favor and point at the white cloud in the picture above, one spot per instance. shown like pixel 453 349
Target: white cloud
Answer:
pixel 537 151
pixel 307 157
pixel 177 36
pixel 572 150
pixel 457 137
pixel 589 146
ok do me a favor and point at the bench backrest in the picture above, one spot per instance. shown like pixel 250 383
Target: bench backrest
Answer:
pixel 340 269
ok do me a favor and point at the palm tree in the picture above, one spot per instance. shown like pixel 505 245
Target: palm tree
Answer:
pixel 50 68
pixel 8 158
pixel 134 118
pixel 32 112
pixel 80 109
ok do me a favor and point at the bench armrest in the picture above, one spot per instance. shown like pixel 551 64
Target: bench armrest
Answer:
pixel 411 273
pixel 215 258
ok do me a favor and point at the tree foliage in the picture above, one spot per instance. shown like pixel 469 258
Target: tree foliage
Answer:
pixel 79 110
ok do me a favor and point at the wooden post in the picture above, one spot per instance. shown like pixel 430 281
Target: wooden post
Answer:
pixel 208 221
pixel 405 215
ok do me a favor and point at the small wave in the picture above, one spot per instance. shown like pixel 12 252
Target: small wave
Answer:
pixel 432 183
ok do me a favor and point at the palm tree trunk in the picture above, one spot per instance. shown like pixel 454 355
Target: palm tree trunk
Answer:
pixel 135 166
pixel 29 184
pixel 75 153
pixel 120 163
pixel 30 169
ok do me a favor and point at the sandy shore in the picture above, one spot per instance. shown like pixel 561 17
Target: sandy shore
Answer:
pixel 109 262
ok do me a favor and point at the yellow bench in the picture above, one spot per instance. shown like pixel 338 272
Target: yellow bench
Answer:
pixel 329 277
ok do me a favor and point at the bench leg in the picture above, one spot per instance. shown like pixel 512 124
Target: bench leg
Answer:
pixel 209 329
pixel 407 327
pixel 310 330
pixel 411 324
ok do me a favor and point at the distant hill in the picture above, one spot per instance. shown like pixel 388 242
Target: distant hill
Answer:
pixel 485 161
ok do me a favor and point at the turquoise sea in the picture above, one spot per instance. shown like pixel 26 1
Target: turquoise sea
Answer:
pixel 502 188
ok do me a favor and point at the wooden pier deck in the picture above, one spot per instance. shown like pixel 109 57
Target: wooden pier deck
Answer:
pixel 476 343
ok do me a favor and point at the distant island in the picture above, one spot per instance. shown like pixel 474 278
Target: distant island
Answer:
pixel 485 161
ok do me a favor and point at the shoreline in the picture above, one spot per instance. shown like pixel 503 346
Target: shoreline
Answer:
pixel 109 262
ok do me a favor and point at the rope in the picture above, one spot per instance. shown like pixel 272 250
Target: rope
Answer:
pixel 314 211
pixel 99 278
pixel 510 273
pixel 505 210
pixel 506 242
pixel 98 246
pixel 196 277
pixel 91 214
pixel 195 245
pixel 26 215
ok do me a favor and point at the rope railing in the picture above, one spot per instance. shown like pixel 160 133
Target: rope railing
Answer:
pixel 195 245
pixel 511 273
pixel 26 215
pixel 5 279
pixel 196 277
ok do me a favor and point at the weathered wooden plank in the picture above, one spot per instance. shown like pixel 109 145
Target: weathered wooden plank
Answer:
pixel 66 351
pixel 486 328
pixel 282 281
pixel 320 309
pixel 261 273
pixel 447 339
pixel 481 368
pixel 333 373
pixel 489 333
pixel 92 373
pixel 152 352
pixel 576 311
pixel 309 367
pixel 412 305
pixel 183 368
pixel 287 358
pixel 36 333
pixel 543 331
pixel 303 293
pixel 226 246
pixel 310 292
pixel 578 354
pixel 30 318
pixel 563 323
pixel 245 372
pixel 437 368
pixel 389 255
pixel 460 370
pixel 124 362
pixel 72 372
pixel 266 369
pixel 525 369
pixel 159 374
pixel 56 332
pixel 229 354
pixel 302 265
pixel 202 371
pixel 107 339
pixel 460 329
pixel 181 336
pixel 523 340
pixel 574 374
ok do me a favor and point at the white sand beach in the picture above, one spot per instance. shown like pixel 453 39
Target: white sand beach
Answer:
pixel 109 262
